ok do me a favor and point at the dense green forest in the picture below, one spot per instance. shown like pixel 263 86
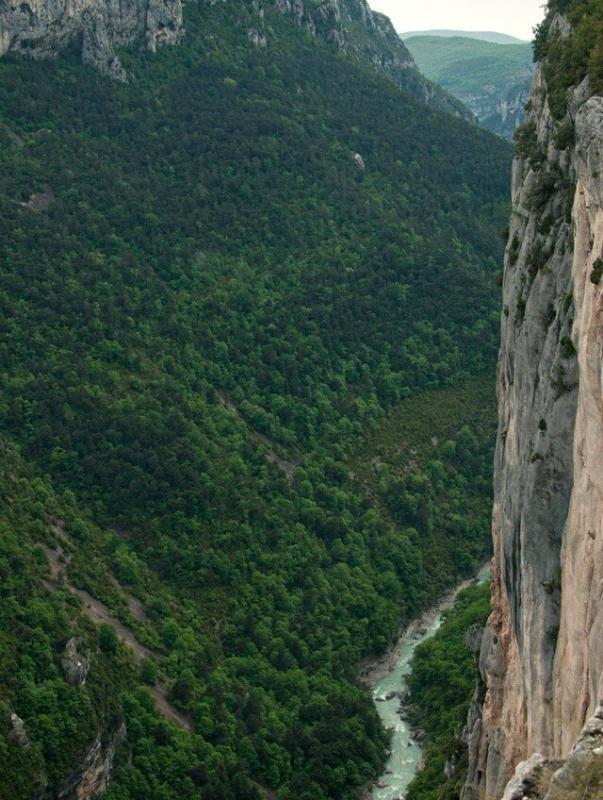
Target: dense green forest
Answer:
pixel 473 62
pixel 212 320
pixel 441 686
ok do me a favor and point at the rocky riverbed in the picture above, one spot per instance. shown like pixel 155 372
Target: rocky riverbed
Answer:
pixel 387 679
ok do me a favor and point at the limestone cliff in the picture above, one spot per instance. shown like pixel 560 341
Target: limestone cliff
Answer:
pixel 501 113
pixel 45 28
pixel 91 778
pixel 542 653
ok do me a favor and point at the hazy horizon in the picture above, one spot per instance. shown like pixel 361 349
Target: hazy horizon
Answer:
pixel 514 17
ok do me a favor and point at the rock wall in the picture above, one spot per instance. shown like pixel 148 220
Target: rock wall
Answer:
pixel 541 659
pixel 500 112
pixel 509 111
pixel 578 777
pixel 45 28
pixel 92 777
pixel 333 19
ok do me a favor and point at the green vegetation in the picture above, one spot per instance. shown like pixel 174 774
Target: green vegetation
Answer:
pixel 597 272
pixel 483 74
pixel 206 333
pixel 484 36
pixel 34 627
pixel 441 686
pixel 417 469
pixel 472 62
pixel 568 59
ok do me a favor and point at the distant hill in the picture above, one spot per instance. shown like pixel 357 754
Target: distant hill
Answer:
pixel 484 36
pixel 491 79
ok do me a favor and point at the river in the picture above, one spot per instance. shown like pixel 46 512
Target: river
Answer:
pixel 388 677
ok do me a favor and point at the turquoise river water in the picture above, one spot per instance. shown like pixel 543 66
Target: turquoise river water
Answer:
pixel 405 752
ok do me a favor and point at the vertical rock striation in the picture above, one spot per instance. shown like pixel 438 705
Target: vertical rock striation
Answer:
pixel 541 659
pixel 92 776
pixel 44 28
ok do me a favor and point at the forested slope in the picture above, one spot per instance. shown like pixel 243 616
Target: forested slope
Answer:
pixel 209 305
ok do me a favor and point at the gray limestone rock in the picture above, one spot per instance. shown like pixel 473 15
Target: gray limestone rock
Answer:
pixel 40 201
pixel 75 665
pixel 541 660
pixel 256 37
pixel 338 23
pixel 92 777
pixel 359 161
pixel 42 29
pixel 473 639
pixel 17 732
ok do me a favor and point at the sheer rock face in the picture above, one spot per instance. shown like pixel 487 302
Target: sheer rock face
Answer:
pixel 92 777
pixel 333 17
pixel 44 28
pixel 542 653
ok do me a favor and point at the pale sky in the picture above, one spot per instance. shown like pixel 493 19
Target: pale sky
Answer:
pixel 516 17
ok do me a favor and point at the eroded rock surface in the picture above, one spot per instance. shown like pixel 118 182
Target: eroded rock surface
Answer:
pixel 541 657
pixel 579 777
pixel 44 28
pixel 92 777
pixel 339 22
pixel 75 664
pixel 18 732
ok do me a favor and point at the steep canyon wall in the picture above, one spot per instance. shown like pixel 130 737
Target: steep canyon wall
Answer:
pixel 541 661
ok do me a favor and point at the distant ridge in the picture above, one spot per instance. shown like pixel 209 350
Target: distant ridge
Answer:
pixel 485 36
pixel 490 78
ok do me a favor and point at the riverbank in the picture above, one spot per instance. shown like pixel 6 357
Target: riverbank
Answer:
pixel 374 669
pixel 386 677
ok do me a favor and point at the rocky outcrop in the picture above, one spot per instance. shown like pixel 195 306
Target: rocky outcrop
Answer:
pixel 360 163
pixel 44 28
pixel 75 665
pixel 541 658
pixel 40 201
pixel 334 19
pixel 92 777
pixel 579 777
pixel 18 733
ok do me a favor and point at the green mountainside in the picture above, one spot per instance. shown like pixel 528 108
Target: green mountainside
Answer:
pixel 570 55
pixel 227 287
pixel 493 80
pixel 484 36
